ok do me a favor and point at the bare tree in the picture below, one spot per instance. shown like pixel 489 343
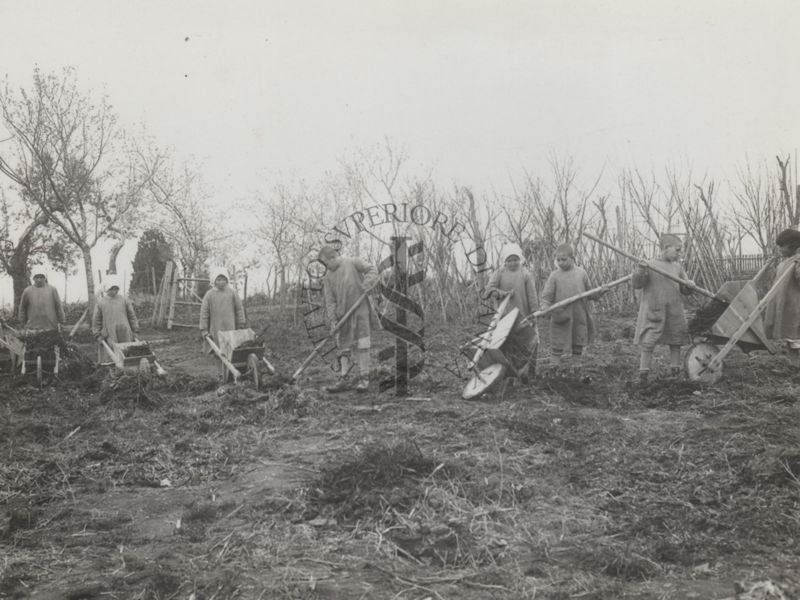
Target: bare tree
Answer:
pixel 71 159
pixel 19 250
pixel 180 208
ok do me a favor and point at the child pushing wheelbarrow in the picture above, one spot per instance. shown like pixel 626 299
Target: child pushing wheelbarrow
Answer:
pixel 740 321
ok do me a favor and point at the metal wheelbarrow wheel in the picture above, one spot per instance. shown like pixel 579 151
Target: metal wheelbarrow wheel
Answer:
pixel 483 381
pixel 696 362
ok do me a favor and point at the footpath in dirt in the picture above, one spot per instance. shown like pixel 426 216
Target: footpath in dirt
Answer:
pixel 115 487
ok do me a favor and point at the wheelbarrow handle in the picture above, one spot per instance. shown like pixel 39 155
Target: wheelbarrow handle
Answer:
pixel 572 299
pixel 333 332
pixel 213 345
pixel 111 353
pixel 667 274
pixel 160 371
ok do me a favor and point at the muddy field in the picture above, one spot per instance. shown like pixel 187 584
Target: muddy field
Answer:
pixel 113 486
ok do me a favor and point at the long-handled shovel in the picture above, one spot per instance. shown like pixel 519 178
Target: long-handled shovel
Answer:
pixel 333 332
pixel 567 301
pixel 655 268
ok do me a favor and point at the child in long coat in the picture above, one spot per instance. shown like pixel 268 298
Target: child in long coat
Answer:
pixel 221 309
pixel 345 281
pixel 114 318
pixel 661 318
pixel 782 318
pixel 40 307
pixel 572 327
pixel 512 276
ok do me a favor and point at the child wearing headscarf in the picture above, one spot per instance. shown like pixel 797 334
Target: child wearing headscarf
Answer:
pixel 512 276
pixel 40 307
pixel 661 318
pixel 221 309
pixel 572 327
pixel 114 318
pixel 782 317
pixel 345 281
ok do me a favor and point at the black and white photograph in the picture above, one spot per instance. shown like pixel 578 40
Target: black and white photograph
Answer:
pixel 369 300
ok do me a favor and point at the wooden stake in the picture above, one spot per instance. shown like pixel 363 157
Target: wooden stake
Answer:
pixel 173 298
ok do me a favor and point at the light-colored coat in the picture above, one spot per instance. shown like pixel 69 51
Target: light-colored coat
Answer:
pixel 114 319
pixel 521 283
pixel 572 325
pixel 661 318
pixel 40 308
pixel 782 318
pixel 221 310
pixel 343 285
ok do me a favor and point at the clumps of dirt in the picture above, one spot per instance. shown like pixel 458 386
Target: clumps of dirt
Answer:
pixel 779 466
pixel 249 344
pixel 667 393
pixel 293 400
pixel 129 389
pixel 705 316
pixel 44 342
pixel 183 382
pixel 276 382
pixel 378 477
pixel 141 349
pixel 75 365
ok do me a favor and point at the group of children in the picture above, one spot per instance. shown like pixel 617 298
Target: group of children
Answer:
pixel 660 321
pixel 661 318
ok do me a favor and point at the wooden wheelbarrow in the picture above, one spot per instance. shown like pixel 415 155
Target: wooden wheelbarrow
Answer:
pixel 40 361
pixel 492 341
pixel 132 355
pixel 488 351
pixel 741 322
pixel 240 355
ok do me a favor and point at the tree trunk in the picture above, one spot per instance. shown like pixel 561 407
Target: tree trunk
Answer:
pixel 86 252
pixel 20 277
pixel 112 256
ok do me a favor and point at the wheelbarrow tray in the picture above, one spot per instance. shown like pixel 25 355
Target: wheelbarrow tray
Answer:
pixel 122 360
pixel 743 300
pixel 240 356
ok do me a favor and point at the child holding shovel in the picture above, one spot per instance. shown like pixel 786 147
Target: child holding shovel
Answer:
pixel 661 318
pixel 572 327
pixel 345 281
pixel 782 318
pixel 514 277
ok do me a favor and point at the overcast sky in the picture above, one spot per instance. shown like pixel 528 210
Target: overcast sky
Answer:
pixel 477 89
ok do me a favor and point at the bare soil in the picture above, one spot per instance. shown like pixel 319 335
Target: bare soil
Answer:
pixel 114 485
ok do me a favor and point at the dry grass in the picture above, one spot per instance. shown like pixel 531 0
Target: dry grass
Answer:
pixel 560 490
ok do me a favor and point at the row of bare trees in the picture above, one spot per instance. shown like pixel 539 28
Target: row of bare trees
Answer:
pixel 541 211
pixel 75 177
